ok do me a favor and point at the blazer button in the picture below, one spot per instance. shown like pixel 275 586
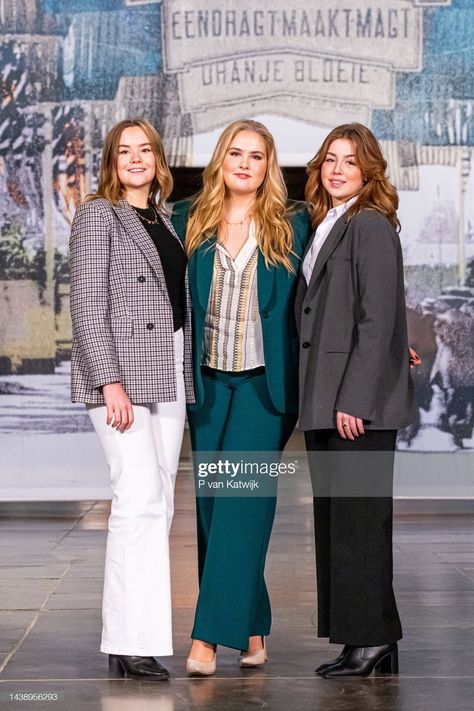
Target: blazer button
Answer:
pixel 307 310
pixel 150 326
pixel 306 344
pixel 265 314
pixel 141 279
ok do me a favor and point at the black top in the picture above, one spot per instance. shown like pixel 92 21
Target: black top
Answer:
pixel 173 261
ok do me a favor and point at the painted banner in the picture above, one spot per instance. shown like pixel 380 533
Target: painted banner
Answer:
pixel 69 69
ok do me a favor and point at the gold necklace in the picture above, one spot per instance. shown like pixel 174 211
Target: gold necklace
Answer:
pixel 236 223
pixel 145 219
pixel 227 238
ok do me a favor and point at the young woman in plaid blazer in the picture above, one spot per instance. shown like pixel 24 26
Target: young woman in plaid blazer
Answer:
pixel 131 365
pixel 244 251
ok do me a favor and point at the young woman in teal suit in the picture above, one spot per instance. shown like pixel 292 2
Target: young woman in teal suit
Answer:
pixel 244 247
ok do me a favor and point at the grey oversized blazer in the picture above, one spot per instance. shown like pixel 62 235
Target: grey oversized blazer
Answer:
pixel 352 328
pixel 122 318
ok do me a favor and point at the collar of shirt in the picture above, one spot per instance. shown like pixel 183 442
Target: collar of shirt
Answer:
pixel 322 231
pixel 336 212
pixel 245 253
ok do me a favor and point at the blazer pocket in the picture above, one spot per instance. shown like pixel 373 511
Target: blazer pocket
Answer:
pixel 339 262
pixel 122 328
pixel 340 341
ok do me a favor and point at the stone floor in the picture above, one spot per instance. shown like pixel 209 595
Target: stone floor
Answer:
pixel 51 560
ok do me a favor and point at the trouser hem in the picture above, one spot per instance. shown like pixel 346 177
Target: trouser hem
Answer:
pixel 241 645
pixel 361 642
pixel 133 651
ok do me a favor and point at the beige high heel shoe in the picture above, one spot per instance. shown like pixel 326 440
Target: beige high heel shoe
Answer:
pixel 256 659
pixel 197 668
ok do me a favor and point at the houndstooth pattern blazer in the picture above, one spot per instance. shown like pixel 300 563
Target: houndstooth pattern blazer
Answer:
pixel 122 320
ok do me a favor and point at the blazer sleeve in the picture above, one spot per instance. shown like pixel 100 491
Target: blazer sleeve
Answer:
pixel 376 251
pixel 89 261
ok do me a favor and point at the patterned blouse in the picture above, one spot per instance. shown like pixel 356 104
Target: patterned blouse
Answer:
pixel 233 338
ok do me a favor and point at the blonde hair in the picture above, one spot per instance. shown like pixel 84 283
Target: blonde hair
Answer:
pixel 110 186
pixel 377 193
pixel 272 228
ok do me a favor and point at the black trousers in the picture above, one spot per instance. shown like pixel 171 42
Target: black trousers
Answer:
pixel 353 509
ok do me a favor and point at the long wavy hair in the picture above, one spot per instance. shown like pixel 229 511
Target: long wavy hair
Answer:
pixel 110 186
pixel 272 228
pixel 377 193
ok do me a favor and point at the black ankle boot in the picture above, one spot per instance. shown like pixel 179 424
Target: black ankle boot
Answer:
pixel 337 660
pixel 361 661
pixel 137 667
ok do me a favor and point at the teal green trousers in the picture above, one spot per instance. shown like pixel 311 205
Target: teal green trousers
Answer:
pixel 233 532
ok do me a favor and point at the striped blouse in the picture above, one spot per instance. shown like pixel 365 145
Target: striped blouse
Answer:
pixel 233 338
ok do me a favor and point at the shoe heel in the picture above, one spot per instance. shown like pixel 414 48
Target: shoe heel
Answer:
pixel 257 659
pixel 115 666
pixel 196 668
pixel 389 664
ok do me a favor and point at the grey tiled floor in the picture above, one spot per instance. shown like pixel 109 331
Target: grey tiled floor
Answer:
pixel 51 561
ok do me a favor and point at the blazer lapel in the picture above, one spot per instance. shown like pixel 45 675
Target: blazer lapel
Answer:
pixel 203 259
pixel 142 239
pixel 265 277
pixel 329 245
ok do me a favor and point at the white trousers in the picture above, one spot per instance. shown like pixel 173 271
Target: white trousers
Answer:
pixel 143 461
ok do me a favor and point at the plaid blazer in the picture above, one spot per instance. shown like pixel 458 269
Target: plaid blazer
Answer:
pixel 122 320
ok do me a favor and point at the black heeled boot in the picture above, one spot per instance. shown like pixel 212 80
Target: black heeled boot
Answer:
pixel 361 661
pixel 337 660
pixel 144 668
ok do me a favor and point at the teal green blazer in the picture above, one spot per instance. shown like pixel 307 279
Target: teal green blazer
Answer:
pixel 276 298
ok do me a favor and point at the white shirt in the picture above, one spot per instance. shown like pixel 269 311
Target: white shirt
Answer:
pixel 322 231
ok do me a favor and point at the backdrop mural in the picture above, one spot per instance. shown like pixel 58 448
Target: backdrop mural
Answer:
pixel 69 69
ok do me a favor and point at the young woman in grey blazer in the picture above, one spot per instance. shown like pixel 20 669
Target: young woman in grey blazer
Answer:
pixel 355 392
pixel 131 365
